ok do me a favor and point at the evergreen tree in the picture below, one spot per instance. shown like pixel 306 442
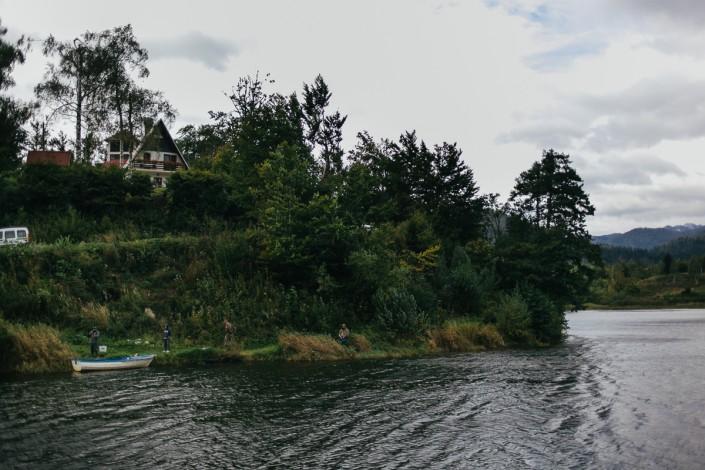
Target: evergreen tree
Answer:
pixel 13 114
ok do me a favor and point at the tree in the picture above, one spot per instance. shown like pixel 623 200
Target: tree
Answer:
pixel 39 140
pixel 666 263
pixel 124 57
pixel 13 114
pixel 550 194
pixel 323 131
pixel 94 84
pixel 547 250
pixel 199 144
pixel 75 86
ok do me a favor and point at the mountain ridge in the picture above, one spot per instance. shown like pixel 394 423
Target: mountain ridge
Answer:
pixel 647 238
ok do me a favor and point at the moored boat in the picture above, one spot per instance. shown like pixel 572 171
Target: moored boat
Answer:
pixel 115 363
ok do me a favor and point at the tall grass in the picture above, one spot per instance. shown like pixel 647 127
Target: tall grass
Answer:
pixel 465 336
pixel 302 347
pixel 32 349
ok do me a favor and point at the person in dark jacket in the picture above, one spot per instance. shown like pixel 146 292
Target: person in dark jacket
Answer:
pixel 166 336
pixel 93 336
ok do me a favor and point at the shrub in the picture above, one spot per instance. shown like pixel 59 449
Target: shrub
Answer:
pixel 547 318
pixel 512 316
pixel 396 311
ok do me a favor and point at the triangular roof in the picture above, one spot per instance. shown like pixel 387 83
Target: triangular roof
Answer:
pixel 151 140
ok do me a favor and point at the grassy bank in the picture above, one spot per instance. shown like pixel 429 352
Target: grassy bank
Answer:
pixel 676 290
pixel 39 349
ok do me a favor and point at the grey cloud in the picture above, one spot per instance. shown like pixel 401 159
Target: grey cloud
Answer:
pixel 635 170
pixel 642 116
pixel 548 133
pixel 654 206
pixel 195 46
pixel 683 12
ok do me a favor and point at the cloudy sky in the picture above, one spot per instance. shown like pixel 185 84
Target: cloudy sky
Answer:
pixel 617 84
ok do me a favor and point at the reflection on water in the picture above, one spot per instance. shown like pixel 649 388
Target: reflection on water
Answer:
pixel 624 391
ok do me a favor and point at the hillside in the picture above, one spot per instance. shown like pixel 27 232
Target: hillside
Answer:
pixel 647 238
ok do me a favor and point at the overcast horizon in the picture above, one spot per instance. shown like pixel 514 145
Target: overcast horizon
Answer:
pixel 619 85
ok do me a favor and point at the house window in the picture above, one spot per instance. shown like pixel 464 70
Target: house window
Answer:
pixel 170 158
pixel 114 145
pixel 147 156
pixel 114 156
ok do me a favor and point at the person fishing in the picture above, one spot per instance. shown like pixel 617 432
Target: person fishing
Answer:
pixel 93 336
pixel 344 335
pixel 229 331
pixel 166 337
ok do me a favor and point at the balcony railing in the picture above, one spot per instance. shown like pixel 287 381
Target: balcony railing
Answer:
pixel 166 166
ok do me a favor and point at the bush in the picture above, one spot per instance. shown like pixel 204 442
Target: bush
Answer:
pixel 548 321
pixel 465 336
pixel 396 311
pixel 512 317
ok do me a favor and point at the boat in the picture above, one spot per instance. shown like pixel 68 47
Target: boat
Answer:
pixel 114 363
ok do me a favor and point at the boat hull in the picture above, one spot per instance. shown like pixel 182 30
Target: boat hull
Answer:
pixel 127 362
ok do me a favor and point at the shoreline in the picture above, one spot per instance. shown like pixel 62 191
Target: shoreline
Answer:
pixel 646 306
pixel 288 347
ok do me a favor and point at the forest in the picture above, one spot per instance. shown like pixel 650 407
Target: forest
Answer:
pixel 276 226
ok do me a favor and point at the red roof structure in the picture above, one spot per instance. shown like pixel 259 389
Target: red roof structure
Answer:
pixel 49 157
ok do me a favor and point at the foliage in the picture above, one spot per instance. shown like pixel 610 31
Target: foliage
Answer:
pixel 13 114
pixel 397 312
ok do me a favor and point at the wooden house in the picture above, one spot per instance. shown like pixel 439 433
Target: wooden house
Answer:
pixel 157 155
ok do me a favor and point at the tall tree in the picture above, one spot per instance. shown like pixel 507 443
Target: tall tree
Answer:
pixel 550 194
pixel 74 87
pixel 13 114
pixel 547 249
pixel 94 84
pixel 124 59
pixel 323 131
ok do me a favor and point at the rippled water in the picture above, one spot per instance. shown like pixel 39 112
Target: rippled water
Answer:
pixel 626 390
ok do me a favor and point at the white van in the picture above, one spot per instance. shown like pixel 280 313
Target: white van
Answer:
pixel 14 235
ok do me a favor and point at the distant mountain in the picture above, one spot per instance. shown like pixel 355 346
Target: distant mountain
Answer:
pixel 647 238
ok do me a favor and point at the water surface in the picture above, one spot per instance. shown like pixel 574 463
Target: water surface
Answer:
pixel 625 391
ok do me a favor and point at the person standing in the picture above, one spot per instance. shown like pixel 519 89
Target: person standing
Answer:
pixel 93 336
pixel 166 337
pixel 229 332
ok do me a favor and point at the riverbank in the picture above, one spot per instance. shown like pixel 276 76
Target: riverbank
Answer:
pixel 645 306
pixel 42 349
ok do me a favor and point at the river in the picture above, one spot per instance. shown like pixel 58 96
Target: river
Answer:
pixel 626 390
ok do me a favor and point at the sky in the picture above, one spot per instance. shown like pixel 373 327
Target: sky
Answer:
pixel 617 84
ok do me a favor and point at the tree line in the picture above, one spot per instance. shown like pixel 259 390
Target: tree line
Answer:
pixel 392 232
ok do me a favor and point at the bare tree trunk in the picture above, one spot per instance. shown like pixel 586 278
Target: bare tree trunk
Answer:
pixel 79 103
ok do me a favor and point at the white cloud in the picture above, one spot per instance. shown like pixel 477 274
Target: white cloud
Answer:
pixel 616 82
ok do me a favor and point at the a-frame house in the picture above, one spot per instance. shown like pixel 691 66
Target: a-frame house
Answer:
pixel 157 155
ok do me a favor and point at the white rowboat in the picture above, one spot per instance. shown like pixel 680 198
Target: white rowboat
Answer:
pixel 117 363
